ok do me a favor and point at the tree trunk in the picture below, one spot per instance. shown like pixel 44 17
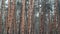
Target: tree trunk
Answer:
pixel 30 13
pixel 11 12
pixel 42 17
pixel 23 17
pixel 55 16
pixel 0 21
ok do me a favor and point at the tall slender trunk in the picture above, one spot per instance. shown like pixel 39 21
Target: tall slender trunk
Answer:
pixel 23 17
pixel 1 20
pixel 2 9
pixel 14 22
pixel 50 24
pixel 42 17
pixel 57 7
pixel 55 16
pixel 30 11
pixel 10 18
pixel 33 18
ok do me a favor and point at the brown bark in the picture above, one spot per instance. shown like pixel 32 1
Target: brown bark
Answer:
pixel 55 13
pixel 2 6
pixel 50 24
pixel 0 22
pixel 14 22
pixel 30 11
pixel 23 17
pixel 9 22
pixel 15 25
pixel 42 18
pixel 33 18
pixel 55 16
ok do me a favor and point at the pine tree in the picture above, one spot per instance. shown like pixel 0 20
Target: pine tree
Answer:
pixel 30 13
pixel 42 17
pixel 10 19
pixel 23 17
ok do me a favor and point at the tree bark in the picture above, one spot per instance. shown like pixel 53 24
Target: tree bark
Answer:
pixel 42 17
pixel 30 13
pixel 55 16
pixel 23 17
pixel 10 18
pixel 0 21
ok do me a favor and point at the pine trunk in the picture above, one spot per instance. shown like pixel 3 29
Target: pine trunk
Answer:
pixel 10 18
pixel 30 13
pixel 23 17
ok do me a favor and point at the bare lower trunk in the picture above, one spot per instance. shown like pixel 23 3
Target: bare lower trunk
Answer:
pixel 23 17
pixel 42 18
pixel 11 8
pixel 55 16
pixel 30 13
pixel 50 24
pixel 0 22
